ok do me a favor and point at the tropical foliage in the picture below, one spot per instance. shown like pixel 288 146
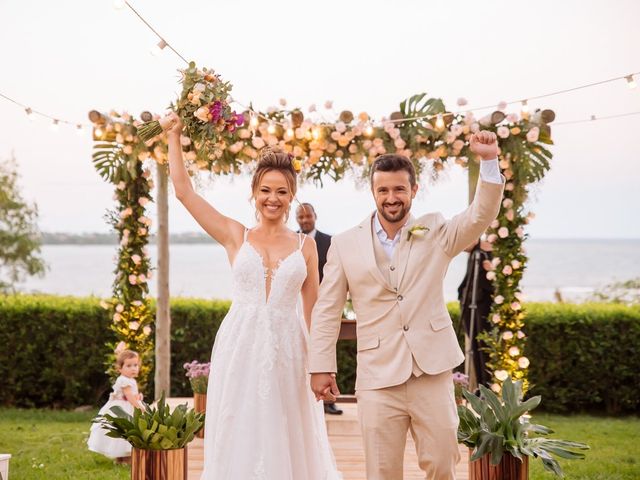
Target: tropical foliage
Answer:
pixel 494 426
pixel 154 428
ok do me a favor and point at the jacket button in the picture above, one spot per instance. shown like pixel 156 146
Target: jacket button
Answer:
pixel 405 328
pixel 400 298
pixel 392 268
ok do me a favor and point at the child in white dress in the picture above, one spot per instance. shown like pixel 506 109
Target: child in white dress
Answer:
pixel 125 394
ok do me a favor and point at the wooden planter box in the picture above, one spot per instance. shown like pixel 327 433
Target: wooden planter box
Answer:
pixel 200 406
pixel 4 466
pixel 159 464
pixel 509 468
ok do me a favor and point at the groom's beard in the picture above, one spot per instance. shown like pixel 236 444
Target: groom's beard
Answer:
pixel 402 212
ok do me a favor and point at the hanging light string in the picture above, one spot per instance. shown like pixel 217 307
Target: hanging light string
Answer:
pixel 162 43
pixel 55 120
pixel 595 118
pixel 524 102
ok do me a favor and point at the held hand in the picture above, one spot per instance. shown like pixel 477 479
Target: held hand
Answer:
pixel 172 124
pixel 324 386
pixel 485 144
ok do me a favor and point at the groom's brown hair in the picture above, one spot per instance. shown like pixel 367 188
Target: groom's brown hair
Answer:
pixel 391 162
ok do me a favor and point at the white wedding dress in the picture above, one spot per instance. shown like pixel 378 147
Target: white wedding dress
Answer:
pixel 262 420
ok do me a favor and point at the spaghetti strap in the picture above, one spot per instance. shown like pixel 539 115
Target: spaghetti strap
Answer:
pixel 246 234
pixel 301 238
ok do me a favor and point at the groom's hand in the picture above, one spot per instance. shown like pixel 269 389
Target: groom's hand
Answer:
pixel 485 144
pixel 324 386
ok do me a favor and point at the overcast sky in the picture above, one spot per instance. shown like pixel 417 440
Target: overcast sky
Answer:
pixel 68 57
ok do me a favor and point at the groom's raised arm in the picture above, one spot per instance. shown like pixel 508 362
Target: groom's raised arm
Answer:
pixel 327 314
pixel 465 228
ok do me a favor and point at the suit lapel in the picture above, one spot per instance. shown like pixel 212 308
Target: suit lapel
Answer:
pixel 365 238
pixel 404 249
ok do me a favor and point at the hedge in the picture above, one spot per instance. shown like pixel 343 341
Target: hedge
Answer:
pixel 583 357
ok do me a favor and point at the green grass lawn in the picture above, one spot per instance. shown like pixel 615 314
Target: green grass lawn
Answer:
pixel 614 442
pixel 50 445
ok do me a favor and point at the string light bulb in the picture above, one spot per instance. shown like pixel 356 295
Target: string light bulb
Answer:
pixel 290 132
pixel 439 122
pixel 271 128
pixel 254 121
pixel 98 132
pixel 30 114
pixel 55 125
pixel 316 133
pixel 525 107
pixel 368 131
pixel 631 83
pixel 119 4
pixel 156 50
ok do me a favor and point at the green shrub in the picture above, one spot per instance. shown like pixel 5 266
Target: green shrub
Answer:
pixel 52 351
pixel 583 357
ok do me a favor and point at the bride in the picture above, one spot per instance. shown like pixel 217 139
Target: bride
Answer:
pixel 262 419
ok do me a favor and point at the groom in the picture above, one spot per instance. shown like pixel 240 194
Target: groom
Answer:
pixel 393 266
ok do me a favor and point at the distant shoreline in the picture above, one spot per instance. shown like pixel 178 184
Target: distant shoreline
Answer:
pixel 61 238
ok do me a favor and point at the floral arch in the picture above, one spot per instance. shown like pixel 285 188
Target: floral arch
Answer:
pixel 422 129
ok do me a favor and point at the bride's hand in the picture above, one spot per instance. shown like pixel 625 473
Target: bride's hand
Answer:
pixel 324 386
pixel 172 124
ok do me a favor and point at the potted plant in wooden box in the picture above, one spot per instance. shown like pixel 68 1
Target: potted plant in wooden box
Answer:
pixel 158 436
pixel 198 375
pixel 502 438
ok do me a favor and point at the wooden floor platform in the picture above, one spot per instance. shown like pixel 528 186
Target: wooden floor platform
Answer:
pixel 344 435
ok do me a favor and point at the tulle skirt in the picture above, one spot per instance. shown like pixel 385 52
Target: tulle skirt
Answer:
pixel 110 447
pixel 262 420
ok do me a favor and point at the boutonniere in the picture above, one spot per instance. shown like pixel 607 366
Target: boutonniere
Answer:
pixel 417 231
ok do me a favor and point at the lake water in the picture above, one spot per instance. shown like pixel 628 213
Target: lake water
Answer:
pixel 574 267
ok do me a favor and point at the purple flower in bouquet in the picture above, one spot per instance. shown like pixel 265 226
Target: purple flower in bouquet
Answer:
pixel 239 119
pixel 215 109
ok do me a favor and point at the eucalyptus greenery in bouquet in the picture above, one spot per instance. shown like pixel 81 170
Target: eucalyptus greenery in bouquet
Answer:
pixel 204 109
pixel 153 428
pixel 198 375
pixel 495 426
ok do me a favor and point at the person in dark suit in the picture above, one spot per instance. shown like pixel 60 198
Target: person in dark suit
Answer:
pixel 479 256
pixel 306 217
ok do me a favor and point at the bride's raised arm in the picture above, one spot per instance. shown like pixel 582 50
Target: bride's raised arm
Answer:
pixel 226 231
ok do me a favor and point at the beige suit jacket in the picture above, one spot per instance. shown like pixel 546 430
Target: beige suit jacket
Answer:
pixel 400 317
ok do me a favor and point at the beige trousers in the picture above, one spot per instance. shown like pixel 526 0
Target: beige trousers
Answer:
pixel 426 406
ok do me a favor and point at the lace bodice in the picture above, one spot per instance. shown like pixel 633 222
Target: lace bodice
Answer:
pixel 252 279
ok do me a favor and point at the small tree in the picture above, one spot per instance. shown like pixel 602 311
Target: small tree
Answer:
pixel 19 234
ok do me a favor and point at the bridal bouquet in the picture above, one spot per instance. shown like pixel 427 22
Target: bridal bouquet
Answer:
pixel 204 109
pixel 198 375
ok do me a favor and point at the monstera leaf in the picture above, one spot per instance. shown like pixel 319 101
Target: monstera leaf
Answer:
pixel 418 106
pixel 107 158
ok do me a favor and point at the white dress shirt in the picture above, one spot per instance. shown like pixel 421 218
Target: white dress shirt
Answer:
pixel 489 172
